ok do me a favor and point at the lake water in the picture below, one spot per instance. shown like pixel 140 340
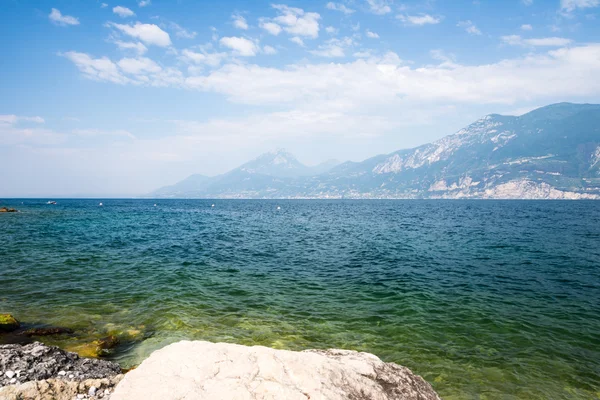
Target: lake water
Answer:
pixel 484 299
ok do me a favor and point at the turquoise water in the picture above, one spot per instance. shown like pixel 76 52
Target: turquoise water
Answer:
pixel 484 299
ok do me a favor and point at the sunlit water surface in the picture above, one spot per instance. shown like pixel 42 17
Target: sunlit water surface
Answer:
pixel 484 299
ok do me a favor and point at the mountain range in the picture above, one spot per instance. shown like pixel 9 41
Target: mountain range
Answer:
pixel 552 152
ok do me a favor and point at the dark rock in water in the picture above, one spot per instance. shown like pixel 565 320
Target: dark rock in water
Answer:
pixel 36 361
pixel 97 348
pixel 8 323
pixel 5 209
pixel 107 343
pixel 47 331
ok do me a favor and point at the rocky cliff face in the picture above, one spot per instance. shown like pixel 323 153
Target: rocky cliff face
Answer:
pixel 550 153
pixel 203 370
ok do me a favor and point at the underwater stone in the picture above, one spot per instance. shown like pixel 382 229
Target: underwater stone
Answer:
pixel 8 323
pixel 55 330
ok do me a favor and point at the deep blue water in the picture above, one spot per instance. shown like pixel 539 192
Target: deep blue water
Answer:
pixel 485 299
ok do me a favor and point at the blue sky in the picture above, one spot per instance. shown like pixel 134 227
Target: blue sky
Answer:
pixel 119 98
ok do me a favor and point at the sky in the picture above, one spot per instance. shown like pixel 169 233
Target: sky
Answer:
pixel 120 98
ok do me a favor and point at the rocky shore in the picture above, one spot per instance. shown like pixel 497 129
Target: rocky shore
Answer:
pixel 38 372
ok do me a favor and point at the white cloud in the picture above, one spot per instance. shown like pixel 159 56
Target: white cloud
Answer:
pixel 572 5
pixel 239 22
pixel 210 59
pixel 138 66
pixel 526 27
pixel 241 46
pixel 269 50
pixel 147 33
pixel 339 7
pixel 62 20
pixel 419 20
pixel 103 5
pixel 372 35
pixel 516 40
pixel 123 12
pixel 331 30
pixel 99 69
pixel 379 7
pixel 12 119
pixel 181 32
pixel 271 27
pixel 334 47
pixel 561 73
pixel 297 40
pixel 137 47
pixel 297 22
pixel 469 27
pixel 329 51
pixel 527 2
pixel 144 3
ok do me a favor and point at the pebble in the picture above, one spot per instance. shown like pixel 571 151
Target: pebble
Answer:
pixel 13 381
pixel 62 373
pixel 92 391
pixel 71 376
pixel 106 391
pixel 81 396
pixel 9 374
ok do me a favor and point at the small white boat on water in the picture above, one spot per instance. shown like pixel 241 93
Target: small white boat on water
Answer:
pixel 100 204
pixel 51 202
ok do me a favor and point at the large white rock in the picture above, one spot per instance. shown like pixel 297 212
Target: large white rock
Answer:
pixel 202 370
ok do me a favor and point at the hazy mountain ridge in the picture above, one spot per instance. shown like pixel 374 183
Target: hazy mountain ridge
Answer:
pixel 551 152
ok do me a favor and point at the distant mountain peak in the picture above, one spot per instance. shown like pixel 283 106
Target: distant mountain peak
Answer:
pixel 270 162
pixel 483 124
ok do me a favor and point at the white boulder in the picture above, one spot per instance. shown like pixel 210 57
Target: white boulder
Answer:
pixel 202 370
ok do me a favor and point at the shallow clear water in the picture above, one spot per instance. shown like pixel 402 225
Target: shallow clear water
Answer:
pixel 484 299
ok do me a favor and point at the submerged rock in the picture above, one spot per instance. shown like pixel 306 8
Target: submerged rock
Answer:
pixel 8 323
pixel 97 348
pixel 5 209
pixel 47 331
pixel 203 370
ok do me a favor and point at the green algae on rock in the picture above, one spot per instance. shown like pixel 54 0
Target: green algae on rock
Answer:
pixel 8 323
pixel 95 349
